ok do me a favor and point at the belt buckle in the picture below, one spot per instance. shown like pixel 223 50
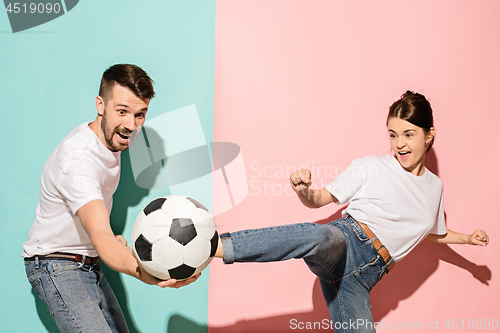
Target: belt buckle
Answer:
pixel 88 260
pixel 379 250
pixel 388 259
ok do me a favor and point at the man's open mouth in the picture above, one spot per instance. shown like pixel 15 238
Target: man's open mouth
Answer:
pixel 124 136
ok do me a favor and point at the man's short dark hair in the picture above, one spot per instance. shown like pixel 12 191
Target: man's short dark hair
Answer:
pixel 129 76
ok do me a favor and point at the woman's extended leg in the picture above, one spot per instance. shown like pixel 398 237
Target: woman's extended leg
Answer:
pixel 339 253
pixel 322 246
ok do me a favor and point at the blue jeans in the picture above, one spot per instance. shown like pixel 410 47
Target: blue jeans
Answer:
pixel 78 296
pixel 339 253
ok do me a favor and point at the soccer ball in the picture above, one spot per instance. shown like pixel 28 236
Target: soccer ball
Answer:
pixel 174 237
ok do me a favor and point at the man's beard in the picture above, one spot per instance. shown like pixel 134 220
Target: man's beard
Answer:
pixel 109 134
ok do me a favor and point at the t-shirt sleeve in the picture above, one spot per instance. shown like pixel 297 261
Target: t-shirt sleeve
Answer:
pixel 440 225
pixel 348 182
pixel 78 183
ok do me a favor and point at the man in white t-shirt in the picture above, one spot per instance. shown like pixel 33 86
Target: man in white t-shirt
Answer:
pixel 71 232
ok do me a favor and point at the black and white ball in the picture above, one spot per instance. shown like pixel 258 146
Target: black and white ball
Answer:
pixel 174 237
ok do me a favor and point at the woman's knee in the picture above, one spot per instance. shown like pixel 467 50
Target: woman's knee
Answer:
pixel 329 238
pixel 323 240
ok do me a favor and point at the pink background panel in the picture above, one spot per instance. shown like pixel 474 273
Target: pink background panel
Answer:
pixel 309 83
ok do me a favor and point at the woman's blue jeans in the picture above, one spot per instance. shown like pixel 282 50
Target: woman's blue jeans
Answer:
pixel 78 296
pixel 339 253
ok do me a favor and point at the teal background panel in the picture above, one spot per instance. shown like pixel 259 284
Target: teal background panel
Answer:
pixel 49 78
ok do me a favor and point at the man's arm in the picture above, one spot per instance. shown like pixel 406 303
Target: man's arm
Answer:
pixel 478 237
pixel 113 251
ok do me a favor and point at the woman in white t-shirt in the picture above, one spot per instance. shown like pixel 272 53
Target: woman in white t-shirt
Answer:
pixel 394 203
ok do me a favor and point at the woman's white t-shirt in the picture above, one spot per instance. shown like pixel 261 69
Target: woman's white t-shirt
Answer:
pixel 399 207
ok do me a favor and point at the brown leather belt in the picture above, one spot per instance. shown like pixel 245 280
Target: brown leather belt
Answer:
pixel 66 256
pixel 377 244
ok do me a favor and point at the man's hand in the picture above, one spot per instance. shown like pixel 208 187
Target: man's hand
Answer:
pixel 173 283
pixel 145 277
pixel 150 279
pixel 122 240
pixel 478 237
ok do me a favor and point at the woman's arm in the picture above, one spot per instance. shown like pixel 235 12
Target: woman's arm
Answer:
pixel 300 181
pixel 478 237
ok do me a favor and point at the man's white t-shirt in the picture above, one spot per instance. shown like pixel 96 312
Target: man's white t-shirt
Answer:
pixel 400 208
pixel 79 170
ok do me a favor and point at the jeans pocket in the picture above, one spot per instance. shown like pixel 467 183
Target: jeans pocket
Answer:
pixel 36 277
pixel 33 272
pixel 360 234
pixel 63 266
pixel 369 274
pixel 34 281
